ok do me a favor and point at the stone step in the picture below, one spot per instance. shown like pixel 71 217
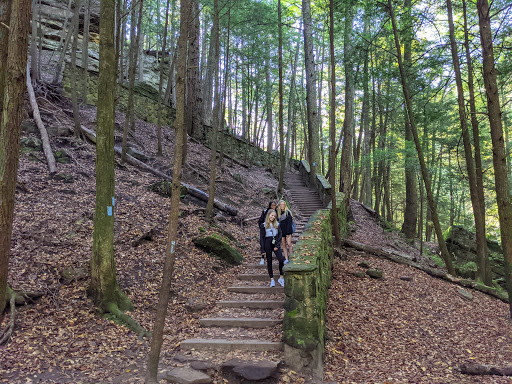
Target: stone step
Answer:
pixel 243 322
pixel 256 289
pixel 255 276
pixel 252 304
pixel 225 345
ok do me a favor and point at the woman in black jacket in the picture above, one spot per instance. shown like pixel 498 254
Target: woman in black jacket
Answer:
pixel 272 243
pixel 285 218
pixel 271 205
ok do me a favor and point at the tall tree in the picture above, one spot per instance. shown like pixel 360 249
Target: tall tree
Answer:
pixel 332 132
pixel 216 111
pixel 411 192
pixel 74 69
pixel 85 49
pixel 499 155
pixel 281 122
pixel 484 272
pixel 104 289
pixel 13 67
pixel 193 119
pixel 170 253
pixel 348 123
pixel 482 239
pixel 311 100
pixel 410 117
pixel 268 99
pixel 161 82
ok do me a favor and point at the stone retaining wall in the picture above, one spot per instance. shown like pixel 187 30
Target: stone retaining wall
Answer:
pixel 308 278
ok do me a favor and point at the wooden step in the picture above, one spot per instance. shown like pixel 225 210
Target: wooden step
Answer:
pixel 225 345
pixel 243 322
pixel 253 289
pixel 252 304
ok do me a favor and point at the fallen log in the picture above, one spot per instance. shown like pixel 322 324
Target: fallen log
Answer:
pixel 480 369
pixel 440 274
pixel 50 159
pixel 190 189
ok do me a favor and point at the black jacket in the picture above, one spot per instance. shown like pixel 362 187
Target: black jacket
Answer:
pixel 286 225
pixel 279 236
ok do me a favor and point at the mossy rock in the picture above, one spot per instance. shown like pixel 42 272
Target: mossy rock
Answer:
pixel 61 156
pixel 238 177
pixel 31 143
pixel 164 188
pixel 218 246
pixel 267 191
pixel 374 273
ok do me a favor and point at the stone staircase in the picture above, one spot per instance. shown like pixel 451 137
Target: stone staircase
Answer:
pixel 250 318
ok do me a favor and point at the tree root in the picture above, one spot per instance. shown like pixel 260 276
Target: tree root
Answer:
pixel 5 334
pixel 14 299
pixel 127 320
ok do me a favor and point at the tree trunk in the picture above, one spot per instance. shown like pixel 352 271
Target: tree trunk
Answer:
pixel 411 193
pixel 312 111
pixel 50 159
pixel 193 119
pixel 216 111
pixel 103 288
pixel 132 64
pixel 482 239
pixel 160 84
pixel 268 99
pixel 85 49
pixel 281 121
pixel 499 157
pixel 332 133
pixel 33 43
pixel 58 69
pixel 170 254
pixel 14 67
pixel 348 123
pixel 484 272
pixel 407 98
pixel 74 70
pixel 224 92
pixel 5 15
pixel 291 106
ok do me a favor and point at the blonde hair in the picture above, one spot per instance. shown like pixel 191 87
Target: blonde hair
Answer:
pixel 286 210
pixel 275 224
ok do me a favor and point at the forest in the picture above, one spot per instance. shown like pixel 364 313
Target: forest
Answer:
pixel 131 128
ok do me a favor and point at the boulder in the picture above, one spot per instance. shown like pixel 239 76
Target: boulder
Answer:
pixel 218 246
pixel 250 370
pixel 187 376
pixel 137 154
pixel 164 188
pixel 374 273
pixel 461 244
pixel 364 264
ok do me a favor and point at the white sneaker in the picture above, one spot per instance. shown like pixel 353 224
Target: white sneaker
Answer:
pixel 286 261
pixel 281 281
pixel 272 283
pixel 262 261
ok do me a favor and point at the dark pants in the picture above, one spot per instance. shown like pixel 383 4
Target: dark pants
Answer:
pixel 269 248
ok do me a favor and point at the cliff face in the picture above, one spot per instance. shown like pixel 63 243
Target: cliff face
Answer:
pixel 55 15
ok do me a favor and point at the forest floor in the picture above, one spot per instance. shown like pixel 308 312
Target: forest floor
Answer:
pixel 392 330
pixel 385 330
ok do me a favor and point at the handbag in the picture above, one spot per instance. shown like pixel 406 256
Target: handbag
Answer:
pixel 293 226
